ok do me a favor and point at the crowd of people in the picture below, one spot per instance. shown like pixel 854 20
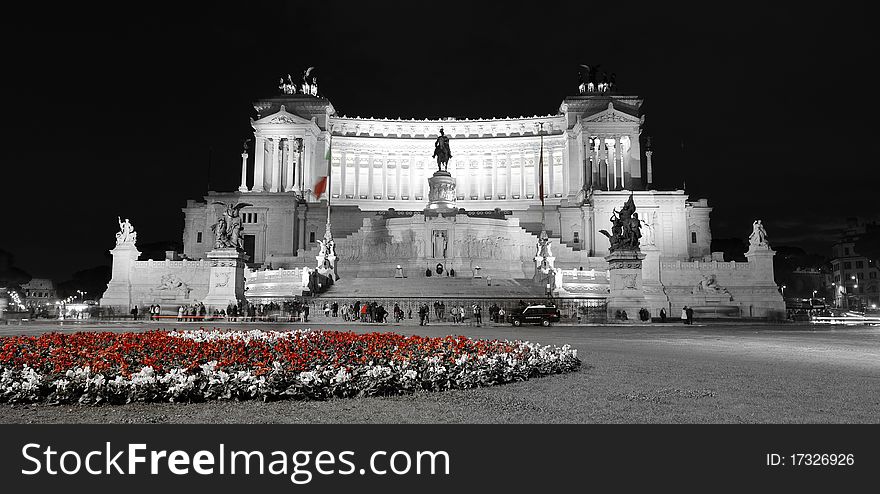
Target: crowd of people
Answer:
pixel 437 311
pixel 241 312
pixel 367 312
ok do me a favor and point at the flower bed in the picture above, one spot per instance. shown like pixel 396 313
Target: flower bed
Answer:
pixel 204 365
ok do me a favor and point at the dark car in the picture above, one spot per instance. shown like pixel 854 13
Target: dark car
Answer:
pixel 535 314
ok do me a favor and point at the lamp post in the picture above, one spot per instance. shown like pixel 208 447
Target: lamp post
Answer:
pixel 855 285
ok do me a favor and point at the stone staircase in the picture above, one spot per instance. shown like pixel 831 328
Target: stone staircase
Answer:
pixel 566 256
pixel 535 229
pixel 435 287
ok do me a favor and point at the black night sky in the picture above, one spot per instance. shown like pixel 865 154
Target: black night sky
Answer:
pixel 765 111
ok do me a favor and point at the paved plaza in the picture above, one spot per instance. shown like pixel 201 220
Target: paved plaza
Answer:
pixel 711 373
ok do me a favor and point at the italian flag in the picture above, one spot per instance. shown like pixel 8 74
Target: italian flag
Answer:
pixel 320 187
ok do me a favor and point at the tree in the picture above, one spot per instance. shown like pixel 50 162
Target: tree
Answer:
pixel 93 281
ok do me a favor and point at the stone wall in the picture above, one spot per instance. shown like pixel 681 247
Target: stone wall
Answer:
pixel 713 289
pixel 144 283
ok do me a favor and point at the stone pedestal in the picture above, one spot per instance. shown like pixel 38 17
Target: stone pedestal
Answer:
pixel 327 266
pixel 627 289
pixel 441 192
pixel 118 293
pixel 764 299
pixel 544 266
pixel 226 284
pixel 655 293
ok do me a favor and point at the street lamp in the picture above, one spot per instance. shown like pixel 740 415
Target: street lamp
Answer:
pixel 855 285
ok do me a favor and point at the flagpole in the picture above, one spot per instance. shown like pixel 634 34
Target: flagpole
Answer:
pixel 541 177
pixel 329 174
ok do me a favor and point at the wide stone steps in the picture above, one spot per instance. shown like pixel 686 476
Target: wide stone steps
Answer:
pixel 433 287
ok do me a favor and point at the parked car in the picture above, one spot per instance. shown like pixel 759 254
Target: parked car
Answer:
pixel 535 314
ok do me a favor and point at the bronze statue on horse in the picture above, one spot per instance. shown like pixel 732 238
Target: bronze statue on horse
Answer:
pixel 441 151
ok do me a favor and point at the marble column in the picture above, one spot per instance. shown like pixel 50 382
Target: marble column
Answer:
pixel 291 163
pixel 259 164
pixel 398 169
pixel 509 165
pixel 305 168
pixel 494 187
pixel 243 187
pixel 342 173
pixel 357 176
pixel 384 172
pixel 618 159
pixel 603 156
pixel 588 165
pixel 370 177
pixel 276 166
pixel 301 229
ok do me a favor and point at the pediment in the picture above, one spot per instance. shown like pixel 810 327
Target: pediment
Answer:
pixel 283 117
pixel 612 116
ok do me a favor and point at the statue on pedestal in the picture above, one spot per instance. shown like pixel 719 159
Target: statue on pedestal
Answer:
pixel 287 87
pixel 126 233
pixel 326 257
pixel 592 71
pixel 227 230
pixel 543 247
pixel 758 237
pixel 625 229
pixel 310 84
pixel 441 151
pixel 221 238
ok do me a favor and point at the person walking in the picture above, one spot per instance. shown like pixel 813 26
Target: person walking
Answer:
pixel 690 315
pixel 478 315
pixel 684 315
pixel 134 312
pixel 421 315
pixel 662 315
pixel 180 314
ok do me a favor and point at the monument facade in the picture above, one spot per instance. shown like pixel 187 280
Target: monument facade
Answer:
pixel 478 213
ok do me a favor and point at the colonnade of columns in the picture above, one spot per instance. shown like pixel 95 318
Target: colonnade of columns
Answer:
pixel 489 176
pixel 280 163
pixel 612 161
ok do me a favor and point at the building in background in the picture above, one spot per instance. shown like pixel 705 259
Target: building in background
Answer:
pixel 854 275
pixel 39 292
